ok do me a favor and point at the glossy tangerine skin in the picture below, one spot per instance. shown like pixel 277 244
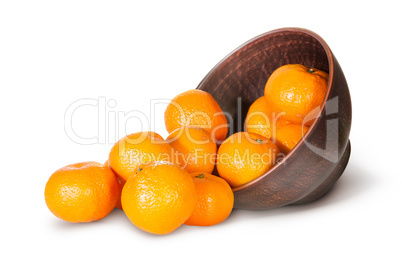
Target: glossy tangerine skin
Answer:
pixel 196 108
pixel 135 149
pixel 195 149
pixel 214 200
pixel 295 91
pixel 262 120
pixel 288 136
pixel 244 157
pixel 82 192
pixel 159 198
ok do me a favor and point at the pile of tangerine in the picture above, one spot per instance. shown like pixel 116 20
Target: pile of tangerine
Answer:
pixel 161 184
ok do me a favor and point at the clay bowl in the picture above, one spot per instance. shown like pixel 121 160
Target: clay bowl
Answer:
pixel 316 163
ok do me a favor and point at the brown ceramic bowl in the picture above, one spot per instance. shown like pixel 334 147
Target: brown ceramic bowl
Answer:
pixel 316 163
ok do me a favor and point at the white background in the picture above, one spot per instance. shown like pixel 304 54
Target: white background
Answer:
pixel 53 53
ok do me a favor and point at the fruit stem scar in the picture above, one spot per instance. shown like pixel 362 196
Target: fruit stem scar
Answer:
pixel 200 176
pixel 259 141
pixel 311 70
pixel 139 169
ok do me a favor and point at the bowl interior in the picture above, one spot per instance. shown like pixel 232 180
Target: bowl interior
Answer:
pixel 240 78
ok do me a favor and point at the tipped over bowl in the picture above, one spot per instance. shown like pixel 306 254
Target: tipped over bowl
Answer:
pixel 319 159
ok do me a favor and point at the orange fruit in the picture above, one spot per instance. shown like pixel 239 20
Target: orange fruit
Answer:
pixel 288 136
pixel 135 149
pixel 295 90
pixel 245 156
pixel 121 183
pixel 215 200
pixel 261 120
pixel 196 108
pixel 159 198
pixel 194 147
pixel 82 192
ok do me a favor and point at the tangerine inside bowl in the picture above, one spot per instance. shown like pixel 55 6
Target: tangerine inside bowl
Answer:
pixel 319 159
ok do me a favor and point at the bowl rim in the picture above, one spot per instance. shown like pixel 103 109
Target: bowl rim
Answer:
pixel 321 109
